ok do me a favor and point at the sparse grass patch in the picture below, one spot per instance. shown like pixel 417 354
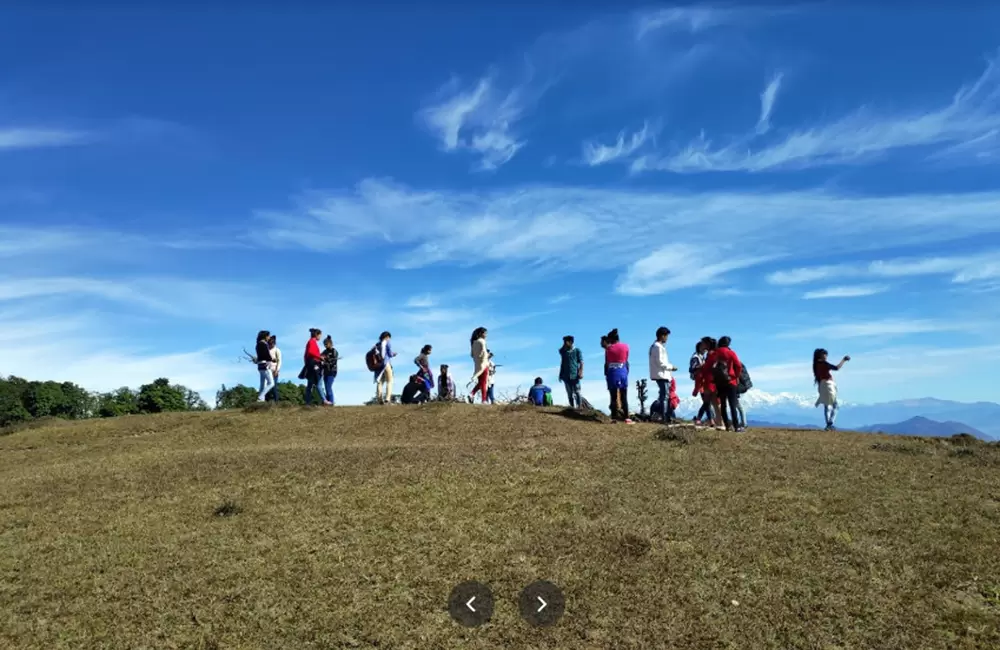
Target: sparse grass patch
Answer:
pixel 228 509
pixel 909 448
pixel 358 522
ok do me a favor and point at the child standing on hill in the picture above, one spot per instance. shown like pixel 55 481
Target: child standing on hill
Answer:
pixel 823 375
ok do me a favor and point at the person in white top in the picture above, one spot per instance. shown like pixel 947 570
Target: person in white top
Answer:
pixel 481 356
pixel 272 343
pixel 660 369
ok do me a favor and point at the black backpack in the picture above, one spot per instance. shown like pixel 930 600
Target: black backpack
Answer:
pixel 745 382
pixel 694 367
pixel 720 372
pixel 374 358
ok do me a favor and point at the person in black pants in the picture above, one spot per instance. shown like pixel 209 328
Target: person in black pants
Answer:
pixel 727 368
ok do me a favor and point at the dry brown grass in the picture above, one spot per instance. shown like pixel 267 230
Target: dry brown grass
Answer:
pixel 348 527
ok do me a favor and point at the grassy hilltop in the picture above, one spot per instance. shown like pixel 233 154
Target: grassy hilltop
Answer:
pixel 348 527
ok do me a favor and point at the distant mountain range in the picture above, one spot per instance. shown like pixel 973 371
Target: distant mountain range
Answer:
pixel 981 419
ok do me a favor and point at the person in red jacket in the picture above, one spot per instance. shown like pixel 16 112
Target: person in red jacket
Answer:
pixel 707 383
pixel 313 370
pixel 726 368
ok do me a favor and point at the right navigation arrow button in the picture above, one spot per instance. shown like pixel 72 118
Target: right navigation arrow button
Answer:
pixel 541 604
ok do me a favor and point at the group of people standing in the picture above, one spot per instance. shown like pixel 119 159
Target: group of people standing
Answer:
pixel 719 376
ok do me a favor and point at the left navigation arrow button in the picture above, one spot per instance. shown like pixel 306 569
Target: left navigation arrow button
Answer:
pixel 471 604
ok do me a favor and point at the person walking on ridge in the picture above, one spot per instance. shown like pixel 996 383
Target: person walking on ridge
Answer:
pixel 571 371
pixel 383 376
pixel 263 355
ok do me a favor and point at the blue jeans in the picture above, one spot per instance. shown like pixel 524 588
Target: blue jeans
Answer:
pixel 830 413
pixel 573 393
pixel 266 383
pixel 313 379
pixel 328 385
pixel 663 385
pixel 489 395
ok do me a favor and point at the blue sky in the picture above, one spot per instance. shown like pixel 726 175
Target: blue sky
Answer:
pixel 173 180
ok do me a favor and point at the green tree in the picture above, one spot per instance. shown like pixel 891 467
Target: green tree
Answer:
pixel 43 399
pixel 291 392
pixel 161 397
pixel 236 397
pixel 11 409
pixel 123 401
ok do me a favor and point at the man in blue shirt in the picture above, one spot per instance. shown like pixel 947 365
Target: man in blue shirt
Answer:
pixel 540 394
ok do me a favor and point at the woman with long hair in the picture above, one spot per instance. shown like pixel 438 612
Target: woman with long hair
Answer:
pixel 481 357
pixel 823 376
pixel 616 360
pixel 262 353
pixel 694 371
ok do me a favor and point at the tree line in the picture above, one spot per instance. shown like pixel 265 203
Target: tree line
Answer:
pixel 22 400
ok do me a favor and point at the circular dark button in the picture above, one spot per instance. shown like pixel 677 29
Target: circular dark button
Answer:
pixel 541 604
pixel 471 604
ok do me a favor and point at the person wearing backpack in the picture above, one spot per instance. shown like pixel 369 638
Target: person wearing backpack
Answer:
pixel 709 394
pixel 571 371
pixel 661 371
pixel 726 367
pixel 694 372
pixel 380 363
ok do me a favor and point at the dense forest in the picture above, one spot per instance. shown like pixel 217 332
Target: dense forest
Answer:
pixel 22 400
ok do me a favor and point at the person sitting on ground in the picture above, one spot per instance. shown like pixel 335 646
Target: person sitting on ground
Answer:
pixel 823 375
pixel 415 391
pixel 446 385
pixel 540 394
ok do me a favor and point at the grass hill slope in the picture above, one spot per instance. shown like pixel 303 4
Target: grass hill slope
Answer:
pixel 348 528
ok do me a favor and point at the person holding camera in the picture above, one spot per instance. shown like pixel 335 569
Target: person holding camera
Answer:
pixel 823 375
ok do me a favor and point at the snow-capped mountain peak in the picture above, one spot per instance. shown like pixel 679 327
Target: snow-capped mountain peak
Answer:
pixel 755 399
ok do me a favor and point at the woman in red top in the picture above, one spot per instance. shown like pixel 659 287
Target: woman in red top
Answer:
pixel 313 370
pixel 616 371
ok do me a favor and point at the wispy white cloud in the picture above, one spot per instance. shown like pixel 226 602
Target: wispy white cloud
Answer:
pixel 35 138
pixel 884 328
pixel 678 266
pixel 548 229
pixel 963 269
pixel 850 291
pixel 480 119
pixel 767 99
pixel 560 299
pixel 595 154
pixel 863 136
pixel 690 19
